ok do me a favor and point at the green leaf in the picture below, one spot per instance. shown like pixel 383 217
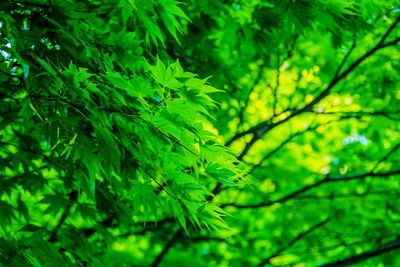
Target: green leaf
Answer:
pixel 46 66
pixel 23 209
pixel 6 214
pixel 55 203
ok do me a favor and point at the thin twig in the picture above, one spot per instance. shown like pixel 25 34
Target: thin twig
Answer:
pixel 307 188
pixel 264 127
pixel 299 237
pixel 385 248
pixel 175 237
pixel 346 57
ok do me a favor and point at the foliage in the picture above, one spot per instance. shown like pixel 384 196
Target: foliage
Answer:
pixel 217 133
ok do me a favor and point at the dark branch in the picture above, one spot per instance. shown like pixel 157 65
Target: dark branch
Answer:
pixel 247 100
pixel 72 197
pixel 288 140
pixel 276 88
pixel 49 159
pixel 385 248
pixel 346 57
pixel 360 114
pixel 264 127
pixel 384 158
pixel 348 195
pixel 176 236
pixel 293 241
pixel 309 187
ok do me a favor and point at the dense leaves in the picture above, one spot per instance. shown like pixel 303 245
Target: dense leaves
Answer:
pixel 201 133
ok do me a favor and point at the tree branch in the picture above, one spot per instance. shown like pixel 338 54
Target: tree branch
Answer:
pixel 385 248
pixel 247 100
pixel 288 140
pixel 348 195
pixel 309 187
pixel 346 57
pixel 293 241
pixel 33 152
pixel 264 127
pixel 176 236
pixel 73 196
pixel 276 88
pixel 360 114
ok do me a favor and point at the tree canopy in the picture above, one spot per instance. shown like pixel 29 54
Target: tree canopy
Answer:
pixel 199 133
